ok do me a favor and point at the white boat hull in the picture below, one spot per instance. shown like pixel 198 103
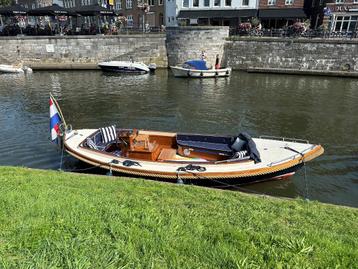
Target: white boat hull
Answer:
pixel 4 68
pixel 279 159
pixel 194 73
pixel 124 67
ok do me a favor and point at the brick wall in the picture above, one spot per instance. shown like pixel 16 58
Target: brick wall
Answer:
pixel 281 4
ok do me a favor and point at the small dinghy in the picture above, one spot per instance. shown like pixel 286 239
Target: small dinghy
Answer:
pixel 128 67
pixel 6 68
pixel 202 159
pixel 198 69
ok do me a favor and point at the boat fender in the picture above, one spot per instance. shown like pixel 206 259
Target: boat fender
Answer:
pixel 189 74
pixel 129 163
pixel 201 74
pixel 227 72
pixel 216 73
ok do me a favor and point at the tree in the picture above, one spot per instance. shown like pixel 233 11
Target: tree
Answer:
pixel 5 2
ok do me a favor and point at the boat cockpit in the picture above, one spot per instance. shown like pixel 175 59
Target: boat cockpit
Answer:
pixel 171 147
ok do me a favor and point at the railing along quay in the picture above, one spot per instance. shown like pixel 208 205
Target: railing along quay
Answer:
pixel 289 33
pixel 47 31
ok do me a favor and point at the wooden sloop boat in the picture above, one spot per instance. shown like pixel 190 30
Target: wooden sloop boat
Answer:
pixel 200 159
pixel 198 69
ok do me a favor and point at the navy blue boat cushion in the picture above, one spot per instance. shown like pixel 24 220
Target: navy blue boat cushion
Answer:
pixel 218 144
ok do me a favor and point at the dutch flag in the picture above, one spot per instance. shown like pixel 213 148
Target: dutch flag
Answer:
pixel 55 121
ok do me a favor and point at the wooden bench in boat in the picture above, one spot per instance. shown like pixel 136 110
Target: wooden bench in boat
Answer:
pixel 167 154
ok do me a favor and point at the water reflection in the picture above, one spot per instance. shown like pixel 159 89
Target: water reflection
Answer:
pixel 320 109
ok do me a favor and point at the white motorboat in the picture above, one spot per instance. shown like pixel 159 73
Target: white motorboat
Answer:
pixel 19 69
pixel 126 67
pixel 198 69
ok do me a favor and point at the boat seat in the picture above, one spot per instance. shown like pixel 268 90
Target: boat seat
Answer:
pixel 167 154
pixel 102 139
pixel 217 144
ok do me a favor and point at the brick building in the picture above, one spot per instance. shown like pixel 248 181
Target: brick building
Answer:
pixel 209 12
pixel 151 11
pixel 341 15
pixel 280 13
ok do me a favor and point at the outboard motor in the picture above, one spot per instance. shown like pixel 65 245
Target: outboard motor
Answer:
pixel 152 67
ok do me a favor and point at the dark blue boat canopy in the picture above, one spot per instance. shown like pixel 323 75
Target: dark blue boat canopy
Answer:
pixel 196 64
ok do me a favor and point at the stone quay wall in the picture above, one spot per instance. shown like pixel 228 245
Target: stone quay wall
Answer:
pixel 184 43
pixel 318 55
pixel 82 52
pixel 178 44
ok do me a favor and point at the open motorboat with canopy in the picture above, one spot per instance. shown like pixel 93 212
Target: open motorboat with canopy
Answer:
pixel 199 69
pixel 128 67
pixel 14 68
pixel 202 159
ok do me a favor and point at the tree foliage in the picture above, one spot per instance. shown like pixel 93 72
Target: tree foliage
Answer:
pixel 5 2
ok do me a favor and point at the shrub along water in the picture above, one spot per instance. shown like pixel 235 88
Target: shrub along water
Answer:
pixel 53 219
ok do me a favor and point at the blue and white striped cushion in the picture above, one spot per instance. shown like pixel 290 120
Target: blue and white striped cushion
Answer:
pixel 240 154
pixel 108 134
pixel 91 144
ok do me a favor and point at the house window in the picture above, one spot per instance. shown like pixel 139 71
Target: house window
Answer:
pixel 345 23
pixel 129 5
pixel 206 3
pixel 185 3
pixel 228 3
pixel 168 19
pixel 217 3
pixel 195 3
pixel 339 1
pixel 271 2
pixel 245 2
pixel 130 20
pixel 289 2
pixel 160 2
pixel 151 2
pixel 119 4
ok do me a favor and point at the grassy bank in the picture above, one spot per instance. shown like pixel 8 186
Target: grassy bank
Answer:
pixel 51 219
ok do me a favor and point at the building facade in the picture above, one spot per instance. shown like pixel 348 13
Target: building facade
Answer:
pixel 209 12
pixel 341 16
pixel 140 13
pixel 280 13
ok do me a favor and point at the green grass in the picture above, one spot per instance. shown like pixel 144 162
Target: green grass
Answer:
pixel 50 219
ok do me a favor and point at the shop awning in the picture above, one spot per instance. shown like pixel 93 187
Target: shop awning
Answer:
pixel 54 10
pixel 284 13
pixel 93 10
pixel 233 13
pixel 13 10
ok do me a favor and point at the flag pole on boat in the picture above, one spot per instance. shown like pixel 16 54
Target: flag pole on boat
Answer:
pixel 59 109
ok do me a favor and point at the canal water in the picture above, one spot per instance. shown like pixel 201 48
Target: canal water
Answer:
pixel 320 109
